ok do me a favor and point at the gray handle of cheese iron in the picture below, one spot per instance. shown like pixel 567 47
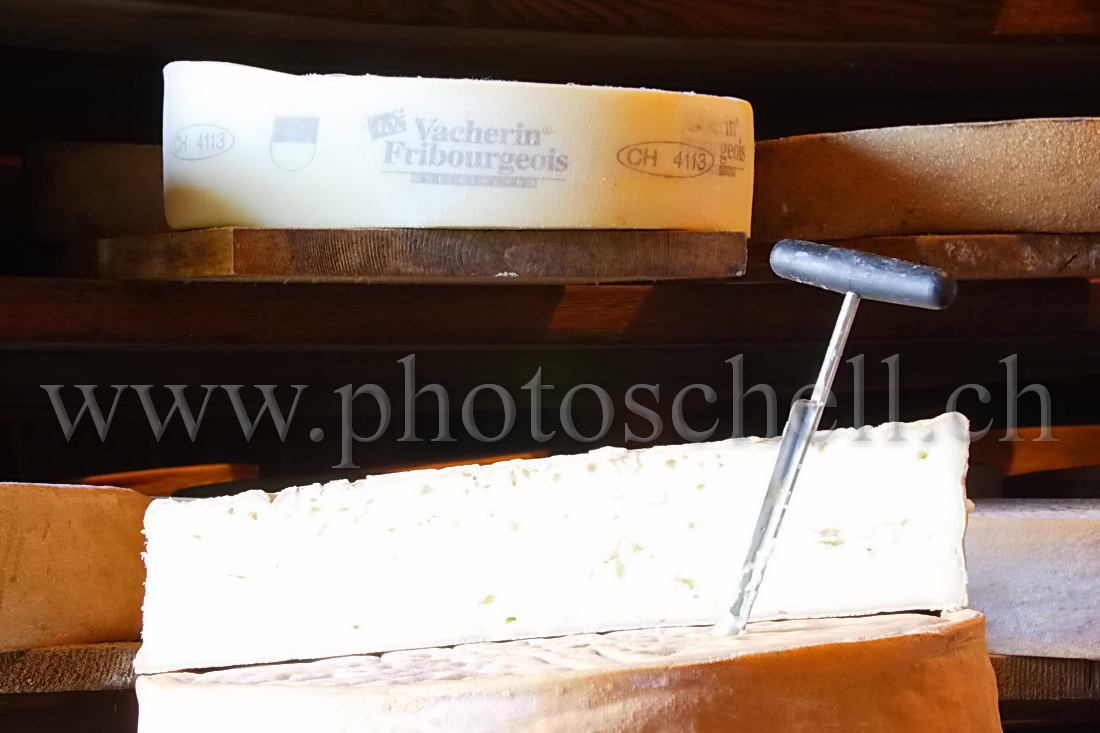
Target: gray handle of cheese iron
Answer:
pixel 869 276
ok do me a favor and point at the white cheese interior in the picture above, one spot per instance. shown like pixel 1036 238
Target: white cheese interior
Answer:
pixel 249 147
pixel 578 652
pixel 612 539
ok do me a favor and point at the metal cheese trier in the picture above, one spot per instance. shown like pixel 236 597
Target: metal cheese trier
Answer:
pixel 857 275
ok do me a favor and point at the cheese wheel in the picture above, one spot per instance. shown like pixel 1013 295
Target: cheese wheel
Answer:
pixel 606 540
pixel 1040 175
pixel 249 147
pixel 897 673
pixel 1035 572
pixel 70 564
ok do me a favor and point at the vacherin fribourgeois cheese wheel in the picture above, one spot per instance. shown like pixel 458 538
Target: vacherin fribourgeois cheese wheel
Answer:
pixel 249 147
pixel 70 564
pixel 606 540
pixel 1039 175
pixel 901 673
pixel 1035 574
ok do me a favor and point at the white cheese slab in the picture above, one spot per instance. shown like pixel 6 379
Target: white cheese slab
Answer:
pixel 250 147
pixel 612 539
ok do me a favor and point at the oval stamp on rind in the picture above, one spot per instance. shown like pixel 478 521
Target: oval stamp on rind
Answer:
pixel 197 142
pixel 666 158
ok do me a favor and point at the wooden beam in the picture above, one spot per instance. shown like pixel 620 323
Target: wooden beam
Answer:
pixel 46 310
pixel 971 256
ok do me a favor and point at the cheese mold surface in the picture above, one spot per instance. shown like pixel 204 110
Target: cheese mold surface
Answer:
pixel 249 147
pixel 612 539
pixel 1035 574
pixel 900 672
pixel 70 564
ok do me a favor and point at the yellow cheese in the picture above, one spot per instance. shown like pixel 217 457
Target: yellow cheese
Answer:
pixel 70 564
pixel 249 147
pixel 900 673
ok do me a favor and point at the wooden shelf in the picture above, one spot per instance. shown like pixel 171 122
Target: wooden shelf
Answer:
pixel 109 666
pixel 77 668
pixel 45 310
pixel 895 20
pixel 806 66
pixel 574 256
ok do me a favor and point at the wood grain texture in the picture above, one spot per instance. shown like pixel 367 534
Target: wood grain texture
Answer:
pixel 410 255
pixel 84 667
pixel 907 20
pixel 1064 17
pixel 1046 678
pixel 969 256
pixel 426 255
pixel 46 310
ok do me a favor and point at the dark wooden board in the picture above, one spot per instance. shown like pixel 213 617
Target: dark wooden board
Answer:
pixel 894 20
pixel 869 65
pixel 1046 678
pixel 77 192
pixel 550 256
pixel 971 256
pixel 506 256
pixel 47 310
pixel 108 711
pixel 84 667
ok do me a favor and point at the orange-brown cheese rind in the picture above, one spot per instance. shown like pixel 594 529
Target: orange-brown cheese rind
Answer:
pixel 70 565
pixel 900 672
pixel 1039 175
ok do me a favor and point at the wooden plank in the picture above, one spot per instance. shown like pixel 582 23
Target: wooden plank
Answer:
pixel 409 255
pixel 84 667
pixel 1074 446
pixel 1046 678
pixel 46 310
pixel 847 85
pixel 970 256
pixel 1031 17
pixel 900 20
pixel 425 255
pixel 167 481
pixel 109 711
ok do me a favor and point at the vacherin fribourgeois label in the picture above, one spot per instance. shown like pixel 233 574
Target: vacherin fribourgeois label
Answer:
pixel 249 147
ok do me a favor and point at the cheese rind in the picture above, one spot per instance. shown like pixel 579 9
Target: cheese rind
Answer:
pixel 1035 175
pixel 606 540
pixel 249 147
pixel 1035 573
pixel 70 564
pixel 903 672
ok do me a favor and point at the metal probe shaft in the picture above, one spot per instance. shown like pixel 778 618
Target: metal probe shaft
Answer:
pixel 801 424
